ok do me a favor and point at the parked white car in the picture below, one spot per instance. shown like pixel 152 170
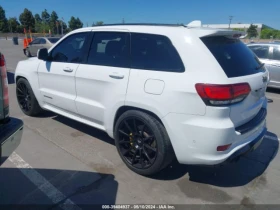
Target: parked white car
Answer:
pixel 197 94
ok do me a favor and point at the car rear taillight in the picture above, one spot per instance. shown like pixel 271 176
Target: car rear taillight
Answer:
pixel 220 95
pixel 4 83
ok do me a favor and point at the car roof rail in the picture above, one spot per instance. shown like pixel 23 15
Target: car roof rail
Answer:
pixel 141 24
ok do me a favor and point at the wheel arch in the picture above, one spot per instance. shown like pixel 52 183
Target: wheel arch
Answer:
pixel 124 108
pixel 33 80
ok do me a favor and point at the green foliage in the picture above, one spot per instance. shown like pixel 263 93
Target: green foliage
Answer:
pixel 45 17
pixel 98 23
pixel 42 27
pixel 39 24
pixel 37 17
pixel 53 22
pixel 27 20
pixel 268 33
pixel 14 25
pixel 75 23
pixel 252 31
pixel 3 21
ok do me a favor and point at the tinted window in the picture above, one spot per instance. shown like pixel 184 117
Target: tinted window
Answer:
pixel 234 57
pixel 276 53
pixel 36 41
pixel 70 49
pixel 109 49
pixel 260 51
pixel 53 40
pixel 154 52
pixel 43 41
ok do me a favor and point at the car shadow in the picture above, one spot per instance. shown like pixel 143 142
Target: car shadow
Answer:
pixel 234 174
pixel 85 129
pixel 11 77
pixel 273 90
pixel 53 188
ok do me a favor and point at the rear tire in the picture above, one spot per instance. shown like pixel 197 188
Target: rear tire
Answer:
pixel 142 142
pixel 26 98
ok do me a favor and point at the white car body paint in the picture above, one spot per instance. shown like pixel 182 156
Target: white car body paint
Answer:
pixel 195 130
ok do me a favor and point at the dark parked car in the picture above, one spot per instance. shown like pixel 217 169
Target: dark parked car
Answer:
pixel 10 128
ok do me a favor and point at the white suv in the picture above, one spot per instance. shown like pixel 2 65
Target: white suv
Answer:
pixel 197 94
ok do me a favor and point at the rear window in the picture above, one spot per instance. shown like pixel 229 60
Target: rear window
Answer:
pixel 154 52
pixel 235 58
pixel 53 40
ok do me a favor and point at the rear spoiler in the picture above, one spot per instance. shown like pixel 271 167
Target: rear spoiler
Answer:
pixel 196 27
pixel 204 32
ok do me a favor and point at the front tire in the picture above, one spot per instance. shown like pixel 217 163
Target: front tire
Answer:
pixel 26 98
pixel 27 53
pixel 142 142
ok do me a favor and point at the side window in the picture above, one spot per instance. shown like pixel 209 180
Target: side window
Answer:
pixel 154 52
pixel 70 50
pixel 43 41
pixel 260 51
pixel 36 41
pixel 109 49
pixel 276 53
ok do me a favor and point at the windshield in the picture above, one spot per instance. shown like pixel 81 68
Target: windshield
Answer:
pixel 234 57
pixel 53 40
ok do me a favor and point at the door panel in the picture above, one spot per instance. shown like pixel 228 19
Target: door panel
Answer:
pixel 57 76
pixel 101 83
pixel 57 84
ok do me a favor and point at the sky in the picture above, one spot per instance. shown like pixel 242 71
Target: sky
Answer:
pixel 154 11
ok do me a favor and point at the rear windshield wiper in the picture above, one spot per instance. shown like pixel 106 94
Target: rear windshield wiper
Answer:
pixel 260 66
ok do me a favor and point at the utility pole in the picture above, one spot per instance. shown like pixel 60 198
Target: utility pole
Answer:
pixel 123 21
pixel 230 18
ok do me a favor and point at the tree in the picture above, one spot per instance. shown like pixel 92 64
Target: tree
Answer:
pixel 98 23
pixel 53 21
pixel 75 23
pixel 252 31
pixel 268 33
pixel 3 21
pixel 27 20
pixel 37 18
pixel 14 25
pixel 45 17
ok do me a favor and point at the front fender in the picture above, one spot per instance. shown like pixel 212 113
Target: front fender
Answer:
pixel 28 69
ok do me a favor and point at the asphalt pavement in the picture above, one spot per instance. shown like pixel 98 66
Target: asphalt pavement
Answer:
pixel 64 163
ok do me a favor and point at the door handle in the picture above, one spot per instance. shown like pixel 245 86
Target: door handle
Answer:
pixel 67 69
pixel 116 76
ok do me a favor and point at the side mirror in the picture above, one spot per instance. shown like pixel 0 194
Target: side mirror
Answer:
pixel 43 54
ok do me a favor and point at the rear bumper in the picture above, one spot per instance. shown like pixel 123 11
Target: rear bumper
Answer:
pixel 195 138
pixel 248 148
pixel 10 137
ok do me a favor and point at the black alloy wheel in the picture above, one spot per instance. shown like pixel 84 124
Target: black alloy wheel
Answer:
pixel 137 143
pixel 142 142
pixel 23 96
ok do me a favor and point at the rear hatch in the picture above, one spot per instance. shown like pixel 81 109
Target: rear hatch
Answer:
pixel 240 66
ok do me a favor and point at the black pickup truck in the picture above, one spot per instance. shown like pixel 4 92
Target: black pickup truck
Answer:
pixel 10 128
